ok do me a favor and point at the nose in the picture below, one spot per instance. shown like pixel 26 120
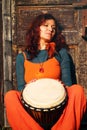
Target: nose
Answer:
pixel 50 28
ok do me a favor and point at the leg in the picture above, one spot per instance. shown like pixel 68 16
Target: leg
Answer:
pixel 73 112
pixel 18 118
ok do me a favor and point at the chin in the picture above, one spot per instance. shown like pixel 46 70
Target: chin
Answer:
pixel 47 40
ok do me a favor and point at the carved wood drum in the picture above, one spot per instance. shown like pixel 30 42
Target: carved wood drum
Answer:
pixel 44 99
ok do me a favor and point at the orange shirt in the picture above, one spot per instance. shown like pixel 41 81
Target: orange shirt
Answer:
pixel 32 70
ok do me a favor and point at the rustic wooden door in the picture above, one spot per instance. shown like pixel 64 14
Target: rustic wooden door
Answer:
pixel 18 15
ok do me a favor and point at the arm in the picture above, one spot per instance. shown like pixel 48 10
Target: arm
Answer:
pixel 65 67
pixel 20 71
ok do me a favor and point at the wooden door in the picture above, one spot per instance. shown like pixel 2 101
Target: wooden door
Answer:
pixel 18 15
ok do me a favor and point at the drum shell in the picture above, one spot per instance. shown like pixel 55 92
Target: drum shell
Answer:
pixel 45 117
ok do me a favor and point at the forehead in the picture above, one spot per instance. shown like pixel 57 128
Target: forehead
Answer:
pixel 49 21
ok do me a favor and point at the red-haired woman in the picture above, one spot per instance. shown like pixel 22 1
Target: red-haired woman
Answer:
pixel 45 56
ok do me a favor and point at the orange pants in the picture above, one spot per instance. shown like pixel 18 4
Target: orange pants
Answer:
pixel 70 119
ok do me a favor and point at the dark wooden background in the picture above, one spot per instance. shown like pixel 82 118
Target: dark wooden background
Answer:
pixel 15 17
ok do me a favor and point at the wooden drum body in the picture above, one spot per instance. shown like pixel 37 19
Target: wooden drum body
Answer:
pixel 44 99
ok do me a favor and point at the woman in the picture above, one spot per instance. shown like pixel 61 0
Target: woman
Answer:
pixel 44 41
pixel 45 56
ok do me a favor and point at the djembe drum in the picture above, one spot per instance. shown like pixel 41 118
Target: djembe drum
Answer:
pixel 44 99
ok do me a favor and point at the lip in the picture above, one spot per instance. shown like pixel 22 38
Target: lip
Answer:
pixel 48 34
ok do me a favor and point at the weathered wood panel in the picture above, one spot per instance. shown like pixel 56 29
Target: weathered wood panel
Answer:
pixel 35 2
pixel 1 68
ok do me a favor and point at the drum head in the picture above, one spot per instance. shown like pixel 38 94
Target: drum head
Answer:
pixel 44 94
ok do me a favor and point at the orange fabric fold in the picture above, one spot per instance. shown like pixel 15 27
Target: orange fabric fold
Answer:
pixel 18 118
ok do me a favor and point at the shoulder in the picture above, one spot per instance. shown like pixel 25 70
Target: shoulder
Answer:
pixel 23 56
pixel 63 51
pixel 20 57
pixel 64 54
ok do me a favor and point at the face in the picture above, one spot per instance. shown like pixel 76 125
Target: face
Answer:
pixel 47 30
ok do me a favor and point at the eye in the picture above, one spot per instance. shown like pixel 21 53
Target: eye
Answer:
pixel 54 28
pixel 46 25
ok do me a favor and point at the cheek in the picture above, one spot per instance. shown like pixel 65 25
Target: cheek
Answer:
pixel 42 32
pixel 42 29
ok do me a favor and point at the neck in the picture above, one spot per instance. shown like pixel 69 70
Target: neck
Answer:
pixel 43 44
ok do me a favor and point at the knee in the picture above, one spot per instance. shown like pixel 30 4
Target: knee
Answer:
pixel 78 89
pixel 8 96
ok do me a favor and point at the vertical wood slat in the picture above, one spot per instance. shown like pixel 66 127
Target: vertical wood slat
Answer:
pixel 7 53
